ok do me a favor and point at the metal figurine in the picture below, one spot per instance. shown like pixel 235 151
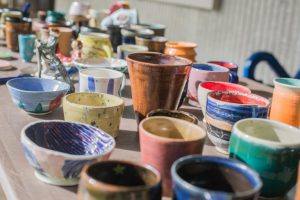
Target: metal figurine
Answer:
pixel 46 55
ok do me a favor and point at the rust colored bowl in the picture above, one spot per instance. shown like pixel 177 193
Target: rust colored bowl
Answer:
pixel 175 114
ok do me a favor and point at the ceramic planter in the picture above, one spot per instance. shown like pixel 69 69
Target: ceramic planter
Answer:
pixel 225 108
pixel 286 101
pixel 175 114
pixel 233 70
pixel 214 178
pixel 182 49
pixel 114 180
pixel 272 149
pixel 101 110
pixel 157 81
pixel 164 139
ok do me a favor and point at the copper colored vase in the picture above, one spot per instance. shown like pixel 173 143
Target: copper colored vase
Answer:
pixel 157 81
pixel 182 49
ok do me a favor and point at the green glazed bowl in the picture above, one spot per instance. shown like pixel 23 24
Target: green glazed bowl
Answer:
pixel 272 149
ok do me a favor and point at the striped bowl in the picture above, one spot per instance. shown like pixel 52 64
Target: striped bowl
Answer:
pixel 58 150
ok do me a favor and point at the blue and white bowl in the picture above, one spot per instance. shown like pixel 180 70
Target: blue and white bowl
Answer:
pixel 58 150
pixel 37 95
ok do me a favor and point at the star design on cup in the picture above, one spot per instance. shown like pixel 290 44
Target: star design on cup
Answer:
pixel 119 169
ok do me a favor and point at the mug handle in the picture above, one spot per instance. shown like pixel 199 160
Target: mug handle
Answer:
pixel 230 77
pixel 122 84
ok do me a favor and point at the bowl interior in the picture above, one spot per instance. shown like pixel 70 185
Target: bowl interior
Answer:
pixel 70 138
pixel 174 114
pixel 223 86
pixel 224 64
pixel 122 174
pixel 239 98
pixel 172 128
pixel 210 67
pixel 38 85
pixel 94 99
pixel 159 59
pixel 288 81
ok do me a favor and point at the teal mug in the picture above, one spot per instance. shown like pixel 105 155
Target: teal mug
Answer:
pixel 26 46
pixel 272 149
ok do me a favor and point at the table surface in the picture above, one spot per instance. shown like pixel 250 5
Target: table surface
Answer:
pixel 16 175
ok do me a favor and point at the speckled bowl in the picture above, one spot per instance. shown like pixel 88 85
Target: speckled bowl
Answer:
pixel 58 150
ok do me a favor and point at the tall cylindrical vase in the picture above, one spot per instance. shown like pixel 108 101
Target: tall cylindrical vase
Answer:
pixel 157 81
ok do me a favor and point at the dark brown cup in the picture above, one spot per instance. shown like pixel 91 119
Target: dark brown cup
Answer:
pixel 157 81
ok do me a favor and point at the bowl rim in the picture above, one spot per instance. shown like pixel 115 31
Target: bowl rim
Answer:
pixel 191 116
pixel 219 67
pixel 202 86
pixel 38 92
pixel 117 74
pixel 25 139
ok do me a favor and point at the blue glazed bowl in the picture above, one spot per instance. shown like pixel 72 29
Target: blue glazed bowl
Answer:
pixel 58 150
pixel 213 178
pixel 36 95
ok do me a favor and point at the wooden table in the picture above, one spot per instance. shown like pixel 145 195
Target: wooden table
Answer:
pixel 16 175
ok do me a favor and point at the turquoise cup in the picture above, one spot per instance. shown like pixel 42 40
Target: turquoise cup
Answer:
pixel 272 149
pixel 26 46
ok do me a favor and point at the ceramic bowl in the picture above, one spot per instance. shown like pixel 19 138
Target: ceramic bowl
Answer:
pixel 109 63
pixel 175 114
pixel 225 108
pixel 209 86
pixel 116 179
pixel 57 150
pixel 101 110
pixel 37 96
pixel 214 178
pixel 272 149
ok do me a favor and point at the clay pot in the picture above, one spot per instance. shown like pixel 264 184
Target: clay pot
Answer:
pixel 157 81
pixel 182 49
pixel 164 139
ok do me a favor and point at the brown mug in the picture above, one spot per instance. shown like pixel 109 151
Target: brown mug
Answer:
pixel 164 139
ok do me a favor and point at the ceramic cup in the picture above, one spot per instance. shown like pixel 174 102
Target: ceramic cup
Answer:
pixel 157 81
pixel 114 180
pixel 286 101
pixel 175 114
pixel 214 178
pixel 26 47
pixel 101 81
pixel 272 149
pixel 155 44
pixel 201 73
pixel 225 108
pixel 233 70
pixel 101 110
pixel 182 49
pixel 209 86
pixel 164 139
pixel 126 49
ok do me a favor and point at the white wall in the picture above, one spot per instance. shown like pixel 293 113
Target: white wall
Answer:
pixel 233 32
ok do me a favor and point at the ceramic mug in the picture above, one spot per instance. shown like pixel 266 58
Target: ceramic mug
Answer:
pixel 201 73
pixel 209 86
pixel 175 114
pixel 182 49
pixel 155 44
pixel 233 70
pixel 26 46
pixel 272 149
pixel 157 81
pixel 101 110
pixel 164 139
pixel 286 101
pixel 225 108
pixel 101 81
pixel 124 50
pixel 214 178
pixel 114 180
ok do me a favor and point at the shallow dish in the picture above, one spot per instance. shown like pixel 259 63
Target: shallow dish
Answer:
pixel 37 96
pixel 110 63
pixel 57 150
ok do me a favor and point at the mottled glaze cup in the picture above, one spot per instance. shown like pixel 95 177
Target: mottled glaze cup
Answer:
pixel 115 180
pixel 214 178
pixel 164 139
pixel 233 70
pixel 209 86
pixel 101 110
pixel 272 149
pixel 286 101
pixel 201 73
pixel 26 46
pixel 175 114
pixel 225 108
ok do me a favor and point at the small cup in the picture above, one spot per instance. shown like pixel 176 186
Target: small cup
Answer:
pixel 125 50
pixel 201 73
pixel 175 114
pixel 103 111
pixel 233 70
pixel 164 139
pixel 225 108
pixel 209 86
pixel 26 47
pixel 114 180
pixel 214 178
pixel 101 81
pixel 272 149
